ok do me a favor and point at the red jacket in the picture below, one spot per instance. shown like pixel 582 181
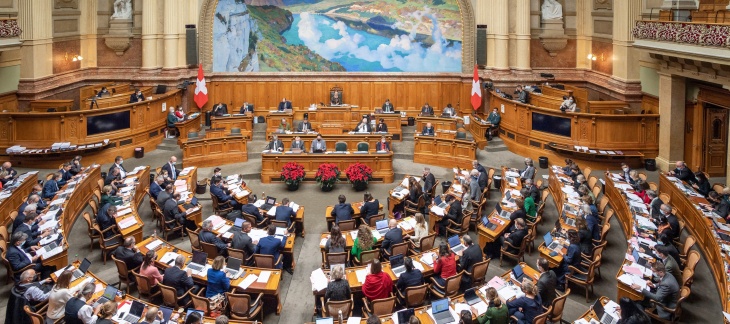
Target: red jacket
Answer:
pixel 446 265
pixel 377 286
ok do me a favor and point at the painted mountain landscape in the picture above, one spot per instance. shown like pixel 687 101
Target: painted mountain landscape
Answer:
pixel 337 35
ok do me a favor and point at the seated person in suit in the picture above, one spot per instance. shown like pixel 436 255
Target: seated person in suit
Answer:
pixel 426 110
pixel 449 111
pixel 129 254
pixel 180 279
pixel 206 235
pixel 104 91
pixel 494 118
pixel 271 245
pixel 529 171
pixel 218 282
pixel 381 127
pixel 428 130
pixel 298 144
pixel 284 105
pixel 388 107
pixel 119 164
pixel 664 289
pixel 19 258
pixel 283 126
pixel 220 109
pixel 246 108
pixel 105 218
pixel 363 126
pixel 522 95
pixel 29 226
pixel 454 214
pixel 515 237
pixel 242 241
pixel 411 278
pixel 318 145
pixel 164 195
pixel 114 179
pixel 9 172
pixel 342 211
pixel 30 205
pixel 284 212
pixel 305 126
pixel 336 100
pixel 469 257
pixel 172 171
pixel 251 209
pixel 172 212
pixel 38 190
pixel 66 175
pixel 369 208
pixel 136 97
pixel 382 145
pixel 51 186
pixel 219 190
pixel 275 144
pixel 682 172
pixel 393 236
pixel 156 186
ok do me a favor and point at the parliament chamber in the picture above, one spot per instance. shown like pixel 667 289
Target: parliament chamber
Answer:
pixel 472 161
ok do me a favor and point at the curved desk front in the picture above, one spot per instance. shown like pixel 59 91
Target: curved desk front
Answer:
pixel 381 163
pixel 447 153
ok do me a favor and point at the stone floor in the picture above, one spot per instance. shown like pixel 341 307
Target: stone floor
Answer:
pixel 703 307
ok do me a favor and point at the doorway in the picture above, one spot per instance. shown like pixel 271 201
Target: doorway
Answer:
pixel 715 142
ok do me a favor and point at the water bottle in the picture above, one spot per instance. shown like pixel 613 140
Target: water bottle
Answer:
pixel 154 233
pixel 339 315
pixel 76 258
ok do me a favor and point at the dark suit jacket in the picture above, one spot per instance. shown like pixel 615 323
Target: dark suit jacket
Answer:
pixel 515 238
pixel 667 291
pixel 241 241
pixel 104 220
pixel 284 213
pixel 252 210
pixel 298 145
pixel 178 279
pixel 20 219
pixel 535 193
pixel 171 211
pixel 65 177
pixel 342 212
pixel 382 147
pixel 426 110
pixel 167 167
pixel 210 237
pixel 17 258
pixel 455 213
pixel 245 109
pixel 656 204
pixel 387 107
pixel 367 127
pixel 409 279
pixel 429 181
pixel 131 258
pixel 219 193
pixel 220 110
pixel 368 209
pixel 134 98
pixel 300 128
pixel 427 131
pixel 685 175
pixel 284 105
pixel 31 231
pixel 49 189
pixel 381 128
pixel 673 226
pixel 393 236
pixel 546 287
pixel 271 245
pixel 121 167
pixel 469 257
pixel 276 146
pixel 162 197
pixel 155 189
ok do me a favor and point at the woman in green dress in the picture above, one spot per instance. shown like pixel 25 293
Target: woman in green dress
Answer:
pixel 530 208
pixel 497 312
pixel 364 241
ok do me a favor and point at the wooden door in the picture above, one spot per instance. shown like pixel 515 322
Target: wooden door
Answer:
pixel 715 143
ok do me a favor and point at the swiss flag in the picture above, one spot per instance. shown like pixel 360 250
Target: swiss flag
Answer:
pixel 201 92
pixel 476 90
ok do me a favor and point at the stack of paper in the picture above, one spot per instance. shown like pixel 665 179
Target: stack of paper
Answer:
pixel 168 257
pixel 427 258
pixel 250 279
pixel 437 210
pixel 264 277
pixel 127 222
pixel 319 280
pixel 153 245
pixel 361 274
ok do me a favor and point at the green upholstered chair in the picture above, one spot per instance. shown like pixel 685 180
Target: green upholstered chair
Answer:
pixel 340 147
pixel 363 147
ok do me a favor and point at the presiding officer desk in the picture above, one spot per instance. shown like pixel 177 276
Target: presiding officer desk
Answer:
pixel 530 130
pixel 209 151
pixel 438 123
pixel 351 139
pixel 381 163
pixel 444 152
pixel 244 122
pixel 186 126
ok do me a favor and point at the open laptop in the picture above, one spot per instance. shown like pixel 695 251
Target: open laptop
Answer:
pixel 135 312
pixel 270 202
pixel 470 296
pixel 549 243
pixel 508 196
pixel 109 294
pixel 166 313
pixel 569 208
pixel 441 312
pixel 233 268
pixel 81 271
pixel 382 226
pixel 198 262
pixel 397 264
pixel 325 320
pixel 439 202
pixel 455 244
pixel 502 213
pixel 405 315
pixel 568 220
pixel 605 318
pixel 638 259
pixel 236 225
pixel 485 221
pixel 49 247
pixel 518 273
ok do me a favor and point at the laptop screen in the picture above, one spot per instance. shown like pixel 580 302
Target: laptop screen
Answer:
pixel 381 224
pixel 470 294
pixel 437 200
pixel 199 257
pixel 498 209
pixel 110 292
pixel 598 308
pixel 239 222
pixel 440 305
pixel 325 320
pixel 233 263
pixel 548 239
pixel 636 255
pixel 270 200
pixel 396 261
pixel 508 195
pixel 166 313
pixel 191 310
pixel 405 315
pixel 454 241
pixel 136 309
pixel 485 220
pixel 517 271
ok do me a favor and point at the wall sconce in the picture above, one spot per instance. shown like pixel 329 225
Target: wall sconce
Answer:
pixel 74 58
pixel 592 57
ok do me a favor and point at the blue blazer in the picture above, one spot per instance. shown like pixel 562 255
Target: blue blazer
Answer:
pixel 252 210
pixel 103 218
pixel 17 258
pixel 393 236
pixel 49 189
pixel 341 212
pixel 210 237
pixel 271 245
pixel 218 283
pixel 220 194
pixel 284 213
pixel 409 279
pixel 155 189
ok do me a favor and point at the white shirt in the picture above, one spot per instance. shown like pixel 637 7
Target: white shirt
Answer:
pixel 121 171
pixel 86 314
pixel 172 169
pixel 57 303
pixel 363 127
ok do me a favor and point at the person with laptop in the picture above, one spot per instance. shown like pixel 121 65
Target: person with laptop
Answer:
pixel 496 313
pixel 206 235
pixel 528 205
pixel 546 282
pixel 527 307
pixel 223 195
pixel 420 231
pixel 664 290
pixel 60 294
pixel 369 208
pixel 393 236
pixel 410 278
pixel 30 228
pixel 470 256
pixel 284 212
pixel 180 279
pixel 670 264
pixel 149 270
pixel 251 209
pixel 242 241
pixel 77 311
pixel 378 284
pixel 426 110
pixel 449 111
pixel 363 242
pixel 318 145
pixel 106 312
pixel 218 282
pixel 153 315
pixel 515 237
pixel 271 245
pixel 129 254
pixel 19 258
pixel 172 212
pixel 444 265
pixel 571 258
pixel 342 211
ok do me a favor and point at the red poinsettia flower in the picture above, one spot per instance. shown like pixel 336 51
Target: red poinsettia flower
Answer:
pixel 327 174
pixel 359 172
pixel 292 172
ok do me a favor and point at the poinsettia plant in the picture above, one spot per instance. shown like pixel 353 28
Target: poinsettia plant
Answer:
pixel 327 174
pixel 359 172
pixel 292 173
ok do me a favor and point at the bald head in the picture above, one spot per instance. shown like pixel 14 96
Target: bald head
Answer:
pixel 392 223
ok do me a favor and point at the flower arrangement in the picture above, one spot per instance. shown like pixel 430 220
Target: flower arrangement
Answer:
pixel 359 172
pixel 327 174
pixel 292 173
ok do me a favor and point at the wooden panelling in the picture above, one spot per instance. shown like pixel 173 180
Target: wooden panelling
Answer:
pixel 444 152
pixel 650 104
pixel 406 96
pixel 44 105
pixel 382 165
pixel 546 101
pixel 208 152
pixel 245 123
pixel 118 99
pixel 608 107
pixel 9 101
pixel 438 123
pixel 350 139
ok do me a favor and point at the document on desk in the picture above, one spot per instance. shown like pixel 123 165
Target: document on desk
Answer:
pixel 437 210
pixel 362 273
pixel 319 280
pixel 48 239
pixel 264 277
pixel 427 258
pixel 353 234
pixel 47 225
pixel 124 212
pixel 354 320
pixel 168 257
pixel 51 253
pixel 58 201
pixel 419 266
pixel 127 222
pixel 153 245
pixel 251 278
pixel 271 211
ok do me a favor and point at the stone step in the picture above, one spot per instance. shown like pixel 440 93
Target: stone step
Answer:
pixel 168 147
pixel 172 140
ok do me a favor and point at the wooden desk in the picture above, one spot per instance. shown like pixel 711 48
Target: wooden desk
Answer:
pixel 350 139
pixel 438 123
pixel 119 99
pixel 16 199
pixel 478 130
pixel 351 241
pixel 346 116
pixel 355 206
pixel 136 196
pixel 245 123
pixel 222 232
pixel 270 288
pixel 186 126
pixel 393 121
pixel 273 120
pixel 634 158
pixel 487 235
pixel 546 101
pixel 190 178
pixel 590 315
pixel 444 152
pixel 381 163
pixel 42 106
pixel 208 152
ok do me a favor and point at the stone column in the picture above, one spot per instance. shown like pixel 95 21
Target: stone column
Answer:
pixel 35 19
pixel 522 35
pixel 625 64
pixel 497 33
pixel 88 27
pixel 584 30
pixel 173 24
pixel 149 34
pixel 672 97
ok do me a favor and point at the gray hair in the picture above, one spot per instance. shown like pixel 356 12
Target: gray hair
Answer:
pixel 221 319
pixel 27 274
pixel 160 179
pixel 474 172
pixel 337 272
pixel 586 209
pixel 666 208
pixel 30 208
pixel 528 181
pixel 17 237
pixel 88 289
pixel 34 197
pixel 651 193
pixel 207 224
pixel 180 261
